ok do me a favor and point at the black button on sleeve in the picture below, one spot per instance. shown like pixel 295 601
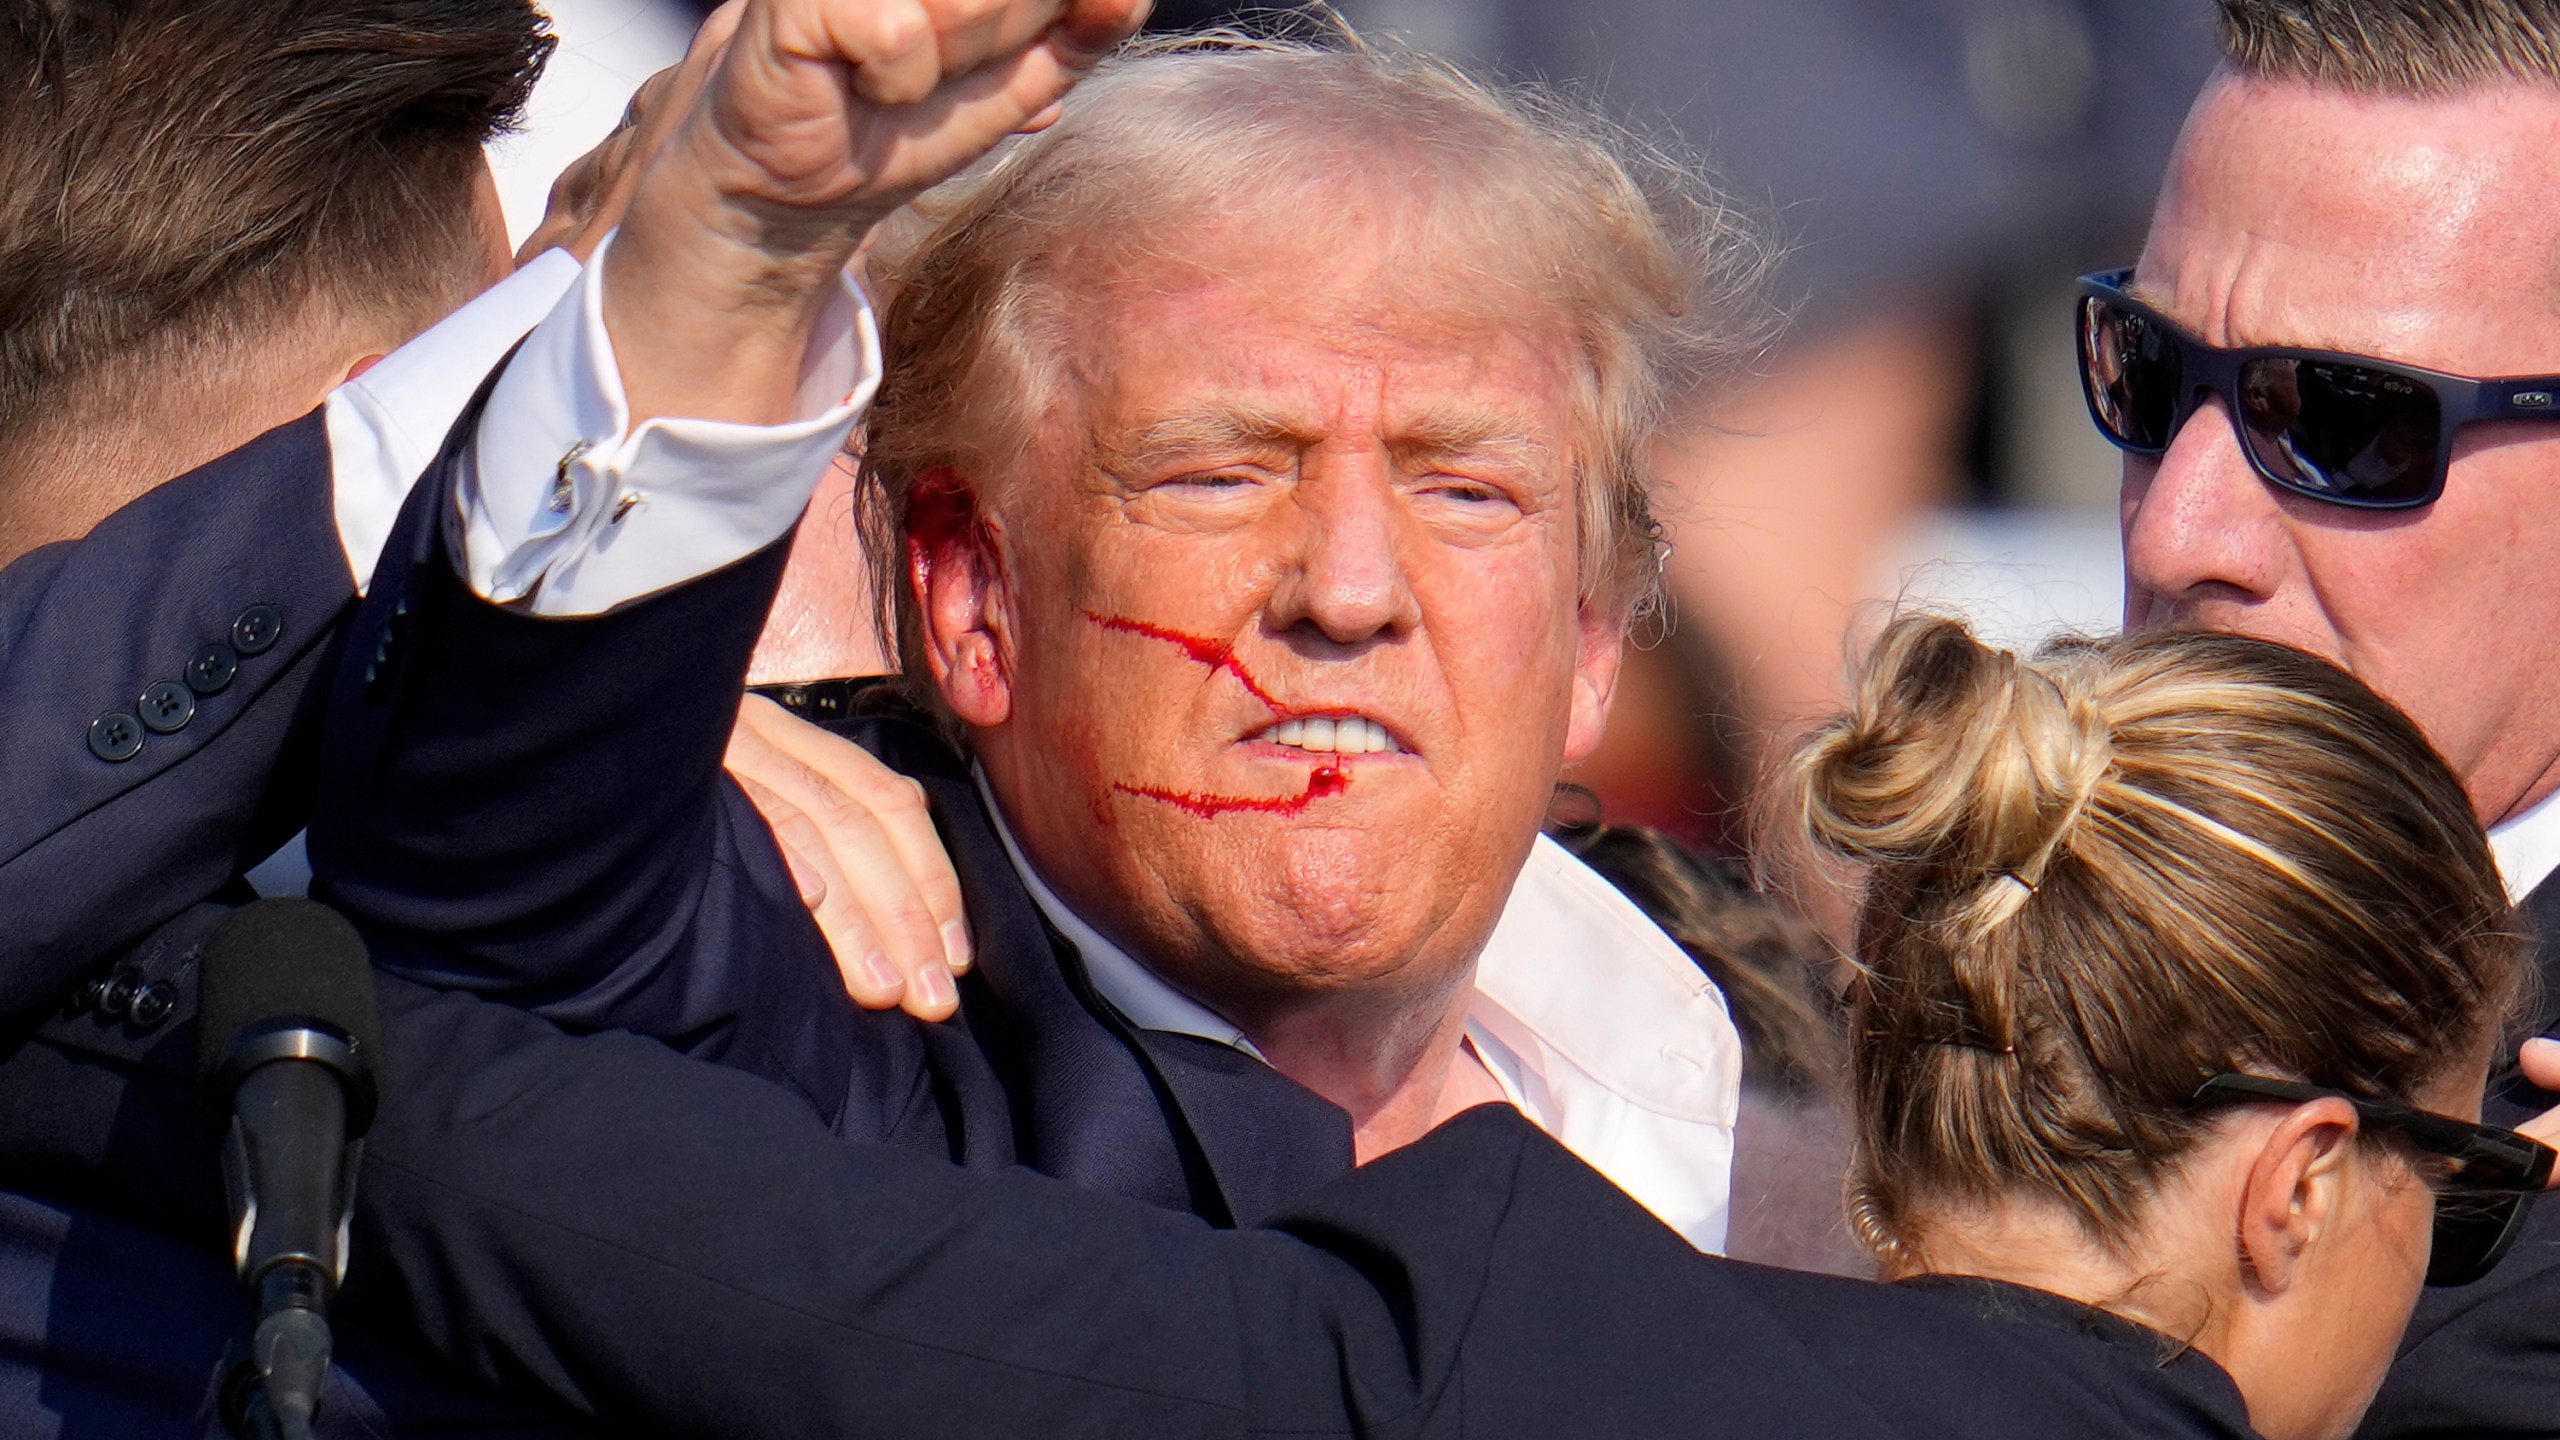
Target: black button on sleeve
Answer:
pixel 153 1004
pixel 167 707
pixel 118 996
pixel 212 668
pixel 257 630
pixel 115 736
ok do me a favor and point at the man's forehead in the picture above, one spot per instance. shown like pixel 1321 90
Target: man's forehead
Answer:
pixel 1216 421
pixel 2427 230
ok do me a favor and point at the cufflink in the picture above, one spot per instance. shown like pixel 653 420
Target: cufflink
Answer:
pixel 562 491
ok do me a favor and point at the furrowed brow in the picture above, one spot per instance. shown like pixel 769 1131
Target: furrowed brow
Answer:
pixel 1481 435
pixel 1222 430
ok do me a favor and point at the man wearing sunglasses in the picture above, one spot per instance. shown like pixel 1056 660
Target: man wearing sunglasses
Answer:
pixel 2332 372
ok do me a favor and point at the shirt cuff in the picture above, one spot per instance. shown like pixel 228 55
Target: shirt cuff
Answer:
pixel 386 425
pixel 566 509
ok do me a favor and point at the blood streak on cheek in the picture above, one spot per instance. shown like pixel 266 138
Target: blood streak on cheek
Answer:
pixel 1322 781
pixel 1216 654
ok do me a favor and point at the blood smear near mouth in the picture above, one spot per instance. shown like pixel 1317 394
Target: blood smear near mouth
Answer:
pixel 1216 654
pixel 1322 781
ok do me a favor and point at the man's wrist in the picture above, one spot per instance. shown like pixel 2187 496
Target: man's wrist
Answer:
pixel 712 298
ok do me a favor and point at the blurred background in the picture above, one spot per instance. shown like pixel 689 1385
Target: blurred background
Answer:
pixel 1940 170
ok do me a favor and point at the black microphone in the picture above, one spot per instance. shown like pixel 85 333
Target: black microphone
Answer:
pixel 288 1032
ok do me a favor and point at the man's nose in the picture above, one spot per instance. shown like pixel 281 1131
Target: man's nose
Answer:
pixel 1348 580
pixel 2198 522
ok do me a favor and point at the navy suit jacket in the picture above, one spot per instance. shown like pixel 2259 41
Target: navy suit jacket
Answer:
pixel 535 810
pixel 2483 1360
pixel 685 1247
pixel 183 636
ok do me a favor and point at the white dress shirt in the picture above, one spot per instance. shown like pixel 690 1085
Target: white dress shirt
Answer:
pixel 2528 846
pixel 566 508
pixel 1598 1026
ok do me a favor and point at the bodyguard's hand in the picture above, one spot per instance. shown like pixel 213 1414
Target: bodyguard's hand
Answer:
pixel 862 847
pixel 820 119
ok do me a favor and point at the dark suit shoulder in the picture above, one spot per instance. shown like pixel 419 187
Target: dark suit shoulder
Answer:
pixel 1584 1283
pixel 157 669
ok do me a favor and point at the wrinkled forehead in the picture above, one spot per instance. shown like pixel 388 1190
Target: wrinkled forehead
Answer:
pixel 2419 229
pixel 1315 316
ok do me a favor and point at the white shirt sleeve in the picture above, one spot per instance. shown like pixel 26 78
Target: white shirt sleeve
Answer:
pixel 386 425
pixel 567 509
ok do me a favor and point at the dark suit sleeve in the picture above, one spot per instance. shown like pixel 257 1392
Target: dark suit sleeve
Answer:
pixel 2483 1360
pixel 535 809
pixel 677 1248
pixel 680 1247
pixel 97 851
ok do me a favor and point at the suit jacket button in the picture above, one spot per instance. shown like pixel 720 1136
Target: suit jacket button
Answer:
pixel 257 630
pixel 153 1004
pixel 212 669
pixel 167 707
pixel 85 995
pixel 118 996
pixel 115 736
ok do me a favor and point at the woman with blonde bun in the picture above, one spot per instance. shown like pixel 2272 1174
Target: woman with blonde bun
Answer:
pixel 2181 963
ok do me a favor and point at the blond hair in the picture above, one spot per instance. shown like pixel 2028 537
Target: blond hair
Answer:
pixel 1656 274
pixel 2096 877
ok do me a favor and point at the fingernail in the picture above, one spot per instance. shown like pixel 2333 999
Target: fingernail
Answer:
pixel 2542 1042
pixel 883 974
pixel 955 945
pixel 934 988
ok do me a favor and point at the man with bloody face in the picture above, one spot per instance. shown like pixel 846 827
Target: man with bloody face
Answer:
pixel 1257 486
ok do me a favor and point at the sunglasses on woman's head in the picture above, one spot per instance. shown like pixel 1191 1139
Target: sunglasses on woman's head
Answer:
pixel 2346 429
pixel 2482 1181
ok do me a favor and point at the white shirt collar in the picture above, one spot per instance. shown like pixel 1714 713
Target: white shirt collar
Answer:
pixel 2528 846
pixel 1595 1023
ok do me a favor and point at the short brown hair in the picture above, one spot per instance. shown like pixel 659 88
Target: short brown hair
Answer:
pixel 179 175
pixel 2097 877
pixel 2394 47
pixel 1628 242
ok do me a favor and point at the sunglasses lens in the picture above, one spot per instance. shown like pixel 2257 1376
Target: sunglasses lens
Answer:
pixel 2130 369
pixel 2341 432
pixel 2473 1231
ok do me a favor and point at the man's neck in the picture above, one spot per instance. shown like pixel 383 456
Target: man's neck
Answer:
pixel 1397 1070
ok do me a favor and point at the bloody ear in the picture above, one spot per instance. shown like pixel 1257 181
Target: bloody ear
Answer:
pixel 956 575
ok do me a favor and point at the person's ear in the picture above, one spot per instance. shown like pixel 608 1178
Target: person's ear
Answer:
pixel 956 572
pixel 2295 1186
pixel 1599 648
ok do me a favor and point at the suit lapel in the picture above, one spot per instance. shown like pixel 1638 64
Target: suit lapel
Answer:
pixel 1267 1140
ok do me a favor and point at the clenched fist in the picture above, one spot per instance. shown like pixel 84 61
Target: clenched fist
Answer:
pixel 820 119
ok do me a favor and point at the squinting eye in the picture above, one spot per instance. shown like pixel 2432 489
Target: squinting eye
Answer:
pixel 1464 490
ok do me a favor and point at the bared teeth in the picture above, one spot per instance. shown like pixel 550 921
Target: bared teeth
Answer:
pixel 1333 735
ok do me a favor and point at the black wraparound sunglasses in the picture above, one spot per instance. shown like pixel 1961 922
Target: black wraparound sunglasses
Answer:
pixel 2346 429
pixel 2482 1181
